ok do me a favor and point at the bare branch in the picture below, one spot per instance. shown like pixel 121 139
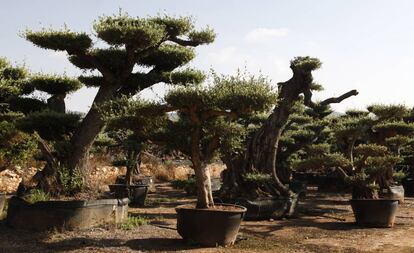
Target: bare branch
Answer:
pixel 184 42
pixel 339 99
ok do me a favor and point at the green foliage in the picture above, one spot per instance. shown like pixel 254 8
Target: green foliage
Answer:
pixel 16 148
pixel 389 112
pixel 305 63
pixel 91 81
pixel 257 178
pixel 368 150
pixel 168 57
pixel 133 222
pixel 37 195
pixel 59 39
pixel 183 184
pixel 71 183
pixel 356 113
pixel 122 29
pixel 394 128
pixel 51 84
pixel 185 77
pixel 26 104
pixel 321 162
pixel 49 125
pixel 205 36
pixel 242 93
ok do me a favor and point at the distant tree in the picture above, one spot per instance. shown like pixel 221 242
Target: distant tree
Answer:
pixel 137 53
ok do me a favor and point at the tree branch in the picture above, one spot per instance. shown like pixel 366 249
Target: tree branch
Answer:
pixel 185 42
pixel 335 100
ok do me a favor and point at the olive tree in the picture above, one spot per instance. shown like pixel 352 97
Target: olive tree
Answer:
pixel 262 147
pixel 136 53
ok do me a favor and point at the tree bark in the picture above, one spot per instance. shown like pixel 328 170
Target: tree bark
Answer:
pixel 84 136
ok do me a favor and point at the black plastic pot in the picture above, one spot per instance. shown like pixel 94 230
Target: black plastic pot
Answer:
pixel 65 215
pixel 408 184
pixel 209 227
pixel 267 208
pixel 135 193
pixel 139 180
pixel 375 212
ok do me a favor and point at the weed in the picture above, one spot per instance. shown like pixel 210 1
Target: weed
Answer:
pixel 37 195
pixel 133 222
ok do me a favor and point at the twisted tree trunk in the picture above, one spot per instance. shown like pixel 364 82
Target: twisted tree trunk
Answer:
pixel 261 151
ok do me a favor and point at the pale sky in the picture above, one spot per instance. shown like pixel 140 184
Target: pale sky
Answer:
pixel 366 45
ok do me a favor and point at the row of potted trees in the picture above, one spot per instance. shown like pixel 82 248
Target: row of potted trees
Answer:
pixel 230 115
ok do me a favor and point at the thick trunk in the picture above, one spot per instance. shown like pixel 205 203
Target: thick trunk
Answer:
pixel 203 181
pixel 261 151
pixel 85 135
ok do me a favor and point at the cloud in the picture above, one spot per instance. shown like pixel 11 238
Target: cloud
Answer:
pixel 266 34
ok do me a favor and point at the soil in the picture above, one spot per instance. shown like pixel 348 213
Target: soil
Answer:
pixel 324 223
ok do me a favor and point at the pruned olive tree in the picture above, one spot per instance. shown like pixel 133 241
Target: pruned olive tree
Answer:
pixel 34 107
pixel 16 147
pixel 136 53
pixel 263 144
pixel 207 116
pixel 367 151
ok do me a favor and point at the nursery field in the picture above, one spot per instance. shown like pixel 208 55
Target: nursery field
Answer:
pixel 324 223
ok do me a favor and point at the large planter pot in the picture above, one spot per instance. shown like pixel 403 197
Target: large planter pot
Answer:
pixel 374 212
pixel 65 215
pixel 210 227
pixel 2 202
pixel 267 208
pixel 139 180
pixel 408 184
pixel 395 192
pixel 135 193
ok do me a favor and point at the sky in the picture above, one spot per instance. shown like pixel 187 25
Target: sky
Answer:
pixel 366 45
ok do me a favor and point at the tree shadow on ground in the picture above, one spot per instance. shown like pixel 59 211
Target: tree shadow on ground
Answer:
pixel 146 244
pixel 160 244
pixel 81 243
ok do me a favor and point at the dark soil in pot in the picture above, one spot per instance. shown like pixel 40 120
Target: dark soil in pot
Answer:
pixel 210 227
pixel 136 193
pixel 374 212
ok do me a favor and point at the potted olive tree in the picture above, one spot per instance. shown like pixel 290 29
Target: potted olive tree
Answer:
pixel 369 146
pixel 200 117
pixel 206 115
pixel 131 126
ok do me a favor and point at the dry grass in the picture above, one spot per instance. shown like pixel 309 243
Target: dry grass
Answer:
pixel 102 173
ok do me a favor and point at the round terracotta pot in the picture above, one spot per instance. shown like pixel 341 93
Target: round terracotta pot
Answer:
pixel 209 227
pixel 375 212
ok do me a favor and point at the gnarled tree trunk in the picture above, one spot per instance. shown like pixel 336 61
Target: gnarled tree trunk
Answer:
pixel 261 151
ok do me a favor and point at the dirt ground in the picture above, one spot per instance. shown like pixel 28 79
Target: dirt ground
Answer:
pixel 324 223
